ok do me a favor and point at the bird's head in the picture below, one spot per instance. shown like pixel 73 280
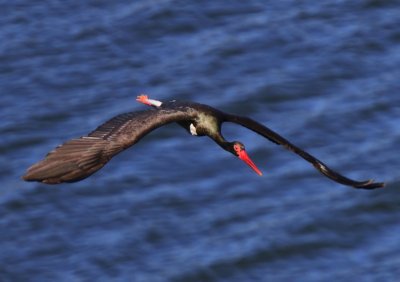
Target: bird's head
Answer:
pixel 237 148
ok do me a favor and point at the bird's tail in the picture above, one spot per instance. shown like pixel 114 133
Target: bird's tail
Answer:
pixel 72 161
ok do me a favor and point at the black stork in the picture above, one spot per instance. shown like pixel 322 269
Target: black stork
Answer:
pixel 81 157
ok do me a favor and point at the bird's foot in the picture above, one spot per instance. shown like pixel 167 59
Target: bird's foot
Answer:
pixel 145 100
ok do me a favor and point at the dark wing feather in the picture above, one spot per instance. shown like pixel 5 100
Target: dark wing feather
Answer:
pixel 323 168
pixel 79 158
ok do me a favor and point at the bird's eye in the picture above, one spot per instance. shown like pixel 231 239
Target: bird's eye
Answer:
pixel 237 148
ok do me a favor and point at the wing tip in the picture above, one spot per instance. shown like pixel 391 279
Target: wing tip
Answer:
pixel 370 184
pixel 31 177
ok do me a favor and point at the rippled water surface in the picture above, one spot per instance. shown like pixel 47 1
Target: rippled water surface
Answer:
pixel 325 74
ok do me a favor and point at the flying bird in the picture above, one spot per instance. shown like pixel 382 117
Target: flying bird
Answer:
pixel 79 158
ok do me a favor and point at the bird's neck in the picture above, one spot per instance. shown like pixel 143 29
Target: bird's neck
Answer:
pixel 220 140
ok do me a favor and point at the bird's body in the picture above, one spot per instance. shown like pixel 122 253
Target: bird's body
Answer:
pixel 79 158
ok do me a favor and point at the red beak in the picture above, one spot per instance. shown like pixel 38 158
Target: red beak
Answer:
pixel 244 157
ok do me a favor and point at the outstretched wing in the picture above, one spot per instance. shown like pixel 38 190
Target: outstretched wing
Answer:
pixel 323 168
pixel 78 158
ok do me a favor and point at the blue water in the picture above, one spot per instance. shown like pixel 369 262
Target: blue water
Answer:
pixel 325 74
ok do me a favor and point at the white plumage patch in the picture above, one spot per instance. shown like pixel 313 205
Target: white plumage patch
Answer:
pixel 192 129
pixel 154 102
